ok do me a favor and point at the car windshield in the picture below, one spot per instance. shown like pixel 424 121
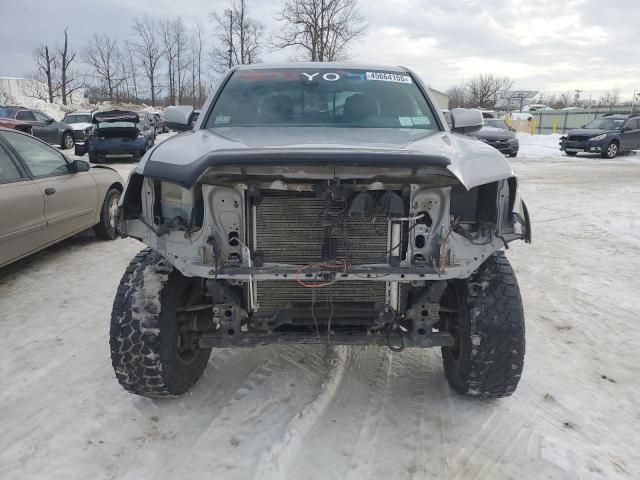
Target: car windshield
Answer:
pixel 77 118
pixel 495 123
pixel 606 123
pixel 317 97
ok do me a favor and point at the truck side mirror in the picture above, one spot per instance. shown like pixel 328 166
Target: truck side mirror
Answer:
pixel 465 120
pixel 179 117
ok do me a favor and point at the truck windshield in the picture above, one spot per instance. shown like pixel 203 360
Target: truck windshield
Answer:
pixel 317 97
pixel 77 118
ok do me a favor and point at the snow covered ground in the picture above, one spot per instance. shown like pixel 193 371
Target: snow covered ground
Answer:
pixel 349 412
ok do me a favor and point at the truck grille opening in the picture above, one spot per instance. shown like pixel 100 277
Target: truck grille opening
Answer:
pixel 289 229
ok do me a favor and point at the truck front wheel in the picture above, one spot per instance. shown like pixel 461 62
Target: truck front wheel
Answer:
pixel 154 351
pixel 484 314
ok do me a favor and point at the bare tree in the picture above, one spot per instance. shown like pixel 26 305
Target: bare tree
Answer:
pixel 322 29
pixel 198 46
pixel 131 68
pixel 45 74
pixel 169 42
pixel 181 39
pixel 103 56
pixel 148 49
pixel 70 81
pixel 566 99
pixel 485 89
pixel 457 97
pixel 610 98
pixel 240 36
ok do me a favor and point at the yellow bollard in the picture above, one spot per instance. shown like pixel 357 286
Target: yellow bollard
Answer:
pixel 554 125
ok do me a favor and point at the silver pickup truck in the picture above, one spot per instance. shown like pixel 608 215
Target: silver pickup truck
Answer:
pixel 320 203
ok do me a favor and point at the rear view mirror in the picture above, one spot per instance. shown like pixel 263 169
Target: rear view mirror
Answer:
pixel 464 120
pixel 179 117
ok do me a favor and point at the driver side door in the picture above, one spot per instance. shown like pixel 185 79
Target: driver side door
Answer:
pixel 70 199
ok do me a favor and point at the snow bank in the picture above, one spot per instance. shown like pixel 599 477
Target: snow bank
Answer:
pixel 536 146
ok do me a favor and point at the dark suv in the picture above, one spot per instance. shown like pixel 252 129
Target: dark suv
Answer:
pixel 607 135
pixel 42 126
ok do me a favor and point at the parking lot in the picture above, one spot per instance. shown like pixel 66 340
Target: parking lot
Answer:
pixel 348 412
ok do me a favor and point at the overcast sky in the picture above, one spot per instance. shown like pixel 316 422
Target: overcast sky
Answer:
pixel 547 45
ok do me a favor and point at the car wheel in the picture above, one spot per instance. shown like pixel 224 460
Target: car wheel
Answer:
pixel 154 347
pixel 571 154
pixel 513 154
pixel 67 141
pixel 485 316
pixel 106 229
pixel 611 151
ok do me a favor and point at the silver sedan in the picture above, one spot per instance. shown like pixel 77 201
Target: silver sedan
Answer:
pixel 45 198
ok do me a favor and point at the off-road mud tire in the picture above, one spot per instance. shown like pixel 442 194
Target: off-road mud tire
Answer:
pixel 491 332
pixel 143 336
pixel 106 229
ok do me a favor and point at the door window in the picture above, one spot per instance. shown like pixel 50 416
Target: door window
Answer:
pixel 41 117
pixel 8 170
pixel 633 124
pixel 41 159
pixel 26 115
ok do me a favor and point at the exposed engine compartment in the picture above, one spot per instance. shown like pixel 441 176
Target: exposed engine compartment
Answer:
pixel 293 256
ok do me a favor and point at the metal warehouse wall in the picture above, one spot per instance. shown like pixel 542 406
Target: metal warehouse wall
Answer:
pixel 559 121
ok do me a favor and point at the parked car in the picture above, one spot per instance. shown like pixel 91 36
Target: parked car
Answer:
pixel 499 135
pixel 14 124
pixel 160 123
pixel 607 135
pixel 320 203
pixel 147 128
pixel 151 120
pixel 42 126
pixel 45 198
pixel 81 122
pixel 117 134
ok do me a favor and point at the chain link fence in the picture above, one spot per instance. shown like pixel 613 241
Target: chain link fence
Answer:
pixel 559 121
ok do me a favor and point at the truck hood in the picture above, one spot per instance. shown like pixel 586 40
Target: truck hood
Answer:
pixel 185 157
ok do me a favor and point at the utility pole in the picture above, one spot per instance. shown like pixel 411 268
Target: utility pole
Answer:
pixel 578 92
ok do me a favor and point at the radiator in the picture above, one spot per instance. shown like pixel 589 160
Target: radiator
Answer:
pixel 289 229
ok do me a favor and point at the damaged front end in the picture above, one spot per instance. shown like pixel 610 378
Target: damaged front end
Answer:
pixel 316 252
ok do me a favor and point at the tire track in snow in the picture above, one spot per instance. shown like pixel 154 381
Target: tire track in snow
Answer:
pixel 343 420
pixel 399 427
pixel 255 415
pixel 274 463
